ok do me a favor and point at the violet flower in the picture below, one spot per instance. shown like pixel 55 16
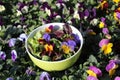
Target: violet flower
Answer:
pixel 103 42
pixel 46 36
pixel 22 37
pixel 86 13
pixel 105 30
pixel 12 42
pixel 13 55
pixel 110 66
pixel 2 55
pixel 30 71
pixel 91 78
pixel 20 5
pixel 10 78
pixel 118 15
pixel 96 70
pixel 117 78
pixel 94 12
pixel 76 38
pixel 33 2
pixel 44 76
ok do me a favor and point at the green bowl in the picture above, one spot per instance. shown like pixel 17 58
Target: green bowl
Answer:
pixel 54 65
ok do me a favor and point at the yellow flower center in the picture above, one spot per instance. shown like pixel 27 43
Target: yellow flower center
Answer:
pixel 101 25
pixel 107 48
pixel 66 49
pixel 91 73
pixel 48 48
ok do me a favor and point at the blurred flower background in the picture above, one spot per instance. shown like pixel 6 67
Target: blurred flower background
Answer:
pixel 98 20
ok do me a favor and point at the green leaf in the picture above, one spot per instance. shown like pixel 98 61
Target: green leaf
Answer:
pixel 92 59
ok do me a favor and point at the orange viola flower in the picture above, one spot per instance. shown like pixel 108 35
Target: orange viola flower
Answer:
pixel 48 48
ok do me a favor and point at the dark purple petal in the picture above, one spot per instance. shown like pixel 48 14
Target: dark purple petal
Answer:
pixel 91 78
pixel 45 5
pixel 81 14
pixel 76 38
pixel 103 42
pixel 44 76
pixel 33 2
pixel 105 30
pixel 2 55
pixel 96 70
pixel 110 66
pixel 94 12
pixel 71 10
pixel 13 55
pixel 60 1
pixel 22 37
pixel 12 42
pixel 10 78
pixel 20 5
pixel 46 36
pixel 22 19
pixel 71 44
pixel 86 13
pixel 117 78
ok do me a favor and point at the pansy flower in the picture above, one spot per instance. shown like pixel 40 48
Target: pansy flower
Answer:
pixel 2 55
pixel 91 78
pixel 117 14
pixel 117 78
pixel 68 46
pixel 9 78
pixel 111 68
pixel 76 15
pixel 48 47
pixel 13 55
pixel 12 42
pixel 30 71
pixel 2 8
pixel 45 76
pixel 102 23
pixel 93 72
pixel 22 37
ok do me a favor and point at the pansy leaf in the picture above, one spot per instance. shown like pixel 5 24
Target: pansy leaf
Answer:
pixel 92 59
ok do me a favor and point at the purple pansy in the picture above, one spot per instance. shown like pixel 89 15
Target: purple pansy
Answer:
pixel 13 55
pixel 33 2
pixel 91 78
pixel 46 36
pixel 105 30
pixel 12 42
pixel 30 71
pixel 76 38
pixel 86 13
pixel 20 5
pixel 96 70
pixel 10 78
pixel 117 78
pixel 103 42
pixel 22 37
pixel 103 19
pixel 94 12
pixel 110 66
pixel 2 55
pixel 45 76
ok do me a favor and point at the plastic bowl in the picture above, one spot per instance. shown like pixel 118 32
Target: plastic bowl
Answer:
pixel 54 65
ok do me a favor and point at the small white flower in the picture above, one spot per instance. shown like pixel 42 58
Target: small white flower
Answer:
pixel 70 22
pixel 18 13
pixel 2 8
pixel 76 15
pixel 94 22
pixel 77 5
pixel 48 11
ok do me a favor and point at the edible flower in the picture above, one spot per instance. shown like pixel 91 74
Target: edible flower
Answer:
pixel 117 14
pixel 102 23
pixel 103 5
pixel 48 48
pixel 2 55
pixel 91 78
pixel 117 78
pixel 111 67
pixel 13 55
pixel 45 76
pixel 116 1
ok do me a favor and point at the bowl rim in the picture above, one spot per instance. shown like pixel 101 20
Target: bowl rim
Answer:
pixel 80 48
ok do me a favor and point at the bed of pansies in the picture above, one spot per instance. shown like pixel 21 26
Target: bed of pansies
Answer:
pixel 98 20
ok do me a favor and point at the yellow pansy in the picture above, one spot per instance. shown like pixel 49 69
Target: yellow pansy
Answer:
pixel 107 48
pixel 66 49
pixel 48 48
pixel 101 25
pixel 91 73
pixel 116 1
